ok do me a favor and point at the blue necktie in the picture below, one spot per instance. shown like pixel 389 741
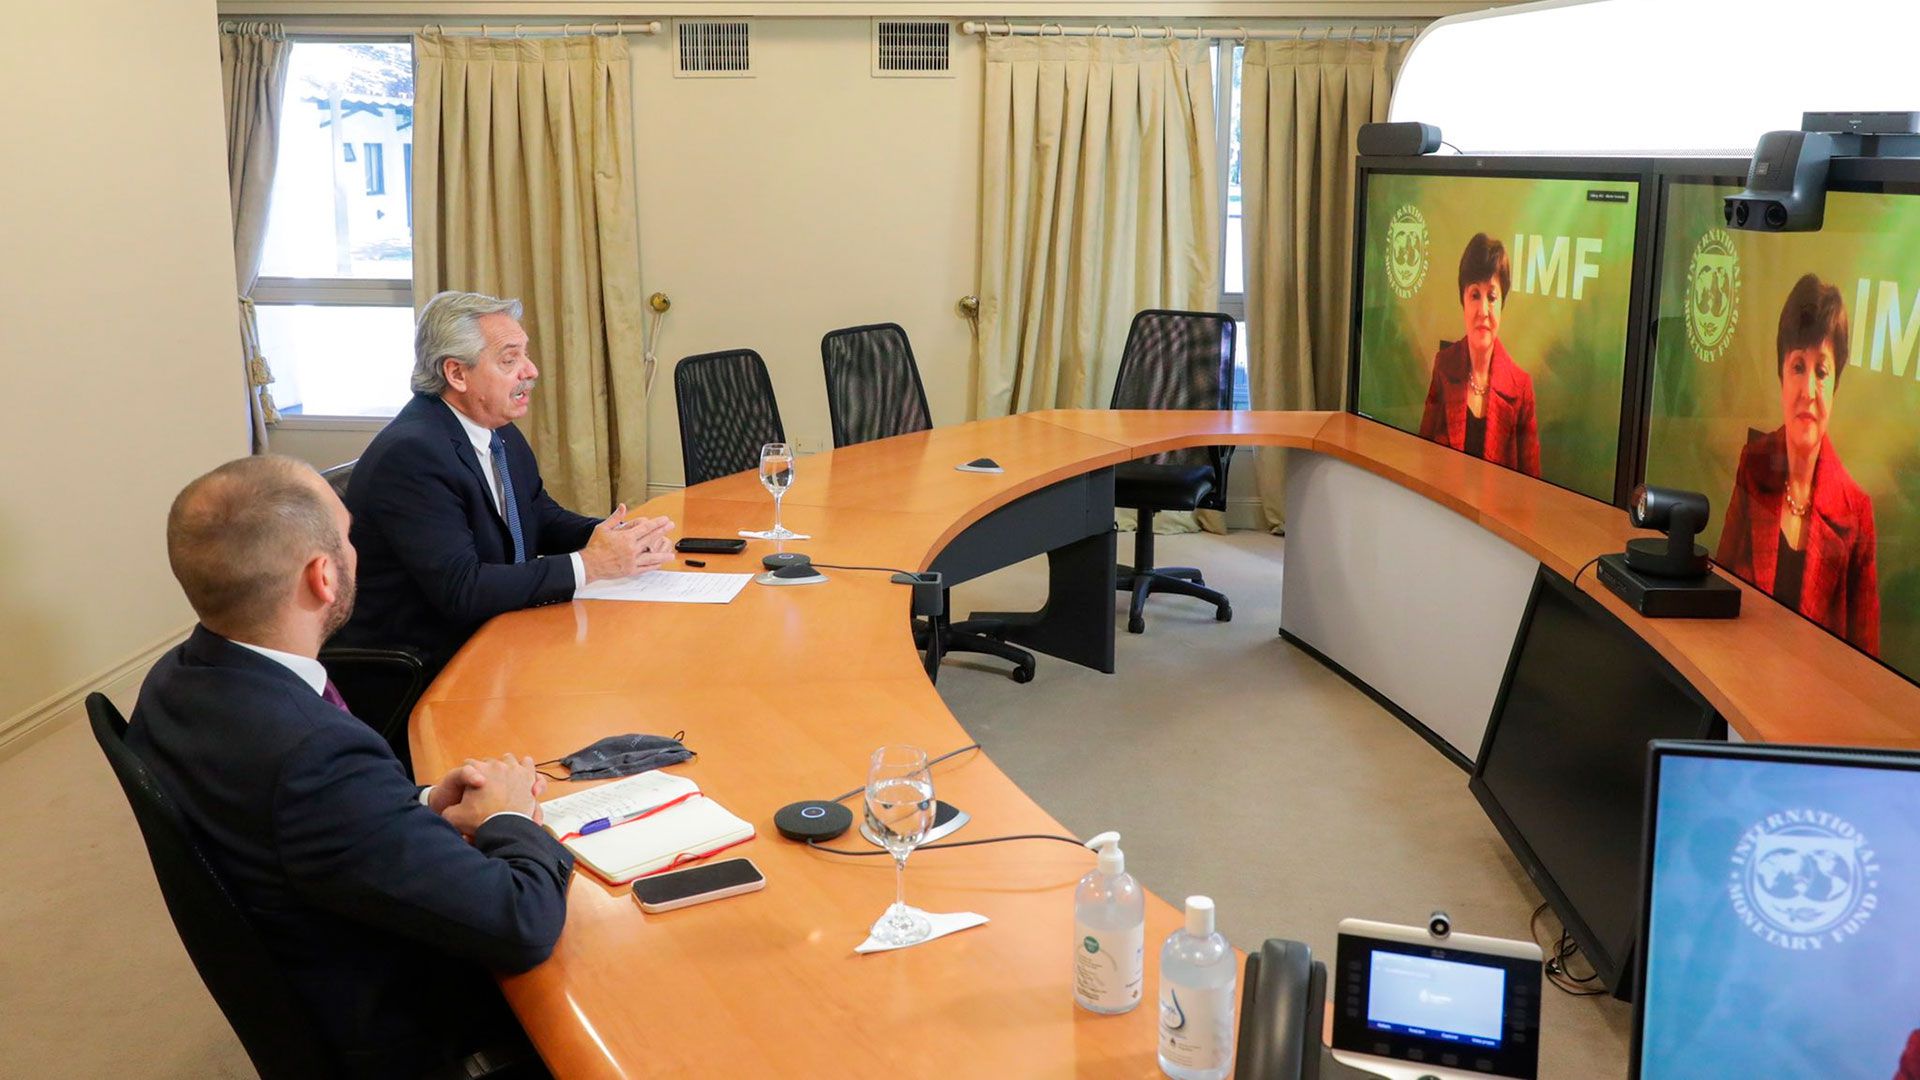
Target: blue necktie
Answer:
pixel 508 508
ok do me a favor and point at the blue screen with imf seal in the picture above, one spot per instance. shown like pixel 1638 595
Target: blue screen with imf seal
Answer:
pixel 1784 930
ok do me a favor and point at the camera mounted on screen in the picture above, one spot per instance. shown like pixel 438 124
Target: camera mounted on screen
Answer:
pixel 1787 182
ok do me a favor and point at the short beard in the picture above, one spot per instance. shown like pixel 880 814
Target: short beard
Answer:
pixel 342 607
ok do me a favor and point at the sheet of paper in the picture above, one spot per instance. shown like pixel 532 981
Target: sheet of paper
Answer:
pixel 667 587
pixel 620 799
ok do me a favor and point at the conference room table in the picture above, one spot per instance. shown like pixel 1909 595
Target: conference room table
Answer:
pixel 784 693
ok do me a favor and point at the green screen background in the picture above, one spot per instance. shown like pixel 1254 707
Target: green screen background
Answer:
pixel 1575 350
pixel 1703 408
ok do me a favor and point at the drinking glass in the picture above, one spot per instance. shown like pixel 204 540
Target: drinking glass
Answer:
pixel 899 813
pixel 776 472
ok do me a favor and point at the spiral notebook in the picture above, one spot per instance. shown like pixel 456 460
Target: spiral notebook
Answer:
pixel 669 823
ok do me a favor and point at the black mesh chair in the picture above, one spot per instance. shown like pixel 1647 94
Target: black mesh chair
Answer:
pixel 727 413
pixel 873 384
pixel 226 949
pixel 874 392
pixel 1173 360
pixel 381 687
pixel 339 476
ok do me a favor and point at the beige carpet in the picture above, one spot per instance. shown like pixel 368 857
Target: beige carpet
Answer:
pixel 1234 766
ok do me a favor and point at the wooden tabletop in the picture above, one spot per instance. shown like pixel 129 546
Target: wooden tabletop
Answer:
pixel 784 692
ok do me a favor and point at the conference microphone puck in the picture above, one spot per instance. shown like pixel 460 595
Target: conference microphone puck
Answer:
pixel 813 820
pixel 780 560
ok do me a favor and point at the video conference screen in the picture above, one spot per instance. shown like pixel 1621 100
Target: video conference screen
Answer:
pixel 1493 318
pixel 1780 937
pixel 1786 384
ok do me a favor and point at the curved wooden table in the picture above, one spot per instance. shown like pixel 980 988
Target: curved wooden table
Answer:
pixel 784 692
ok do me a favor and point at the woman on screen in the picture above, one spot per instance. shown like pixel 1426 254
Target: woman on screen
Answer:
pixel 1797 525
pixel 1479 401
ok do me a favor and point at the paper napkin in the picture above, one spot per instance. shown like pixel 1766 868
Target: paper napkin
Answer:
pixel 942 926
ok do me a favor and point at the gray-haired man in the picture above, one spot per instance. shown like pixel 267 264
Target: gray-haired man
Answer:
pixel 451 521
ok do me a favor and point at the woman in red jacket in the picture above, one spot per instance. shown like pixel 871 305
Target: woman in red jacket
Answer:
pixel 1479 401
pixel 1797 525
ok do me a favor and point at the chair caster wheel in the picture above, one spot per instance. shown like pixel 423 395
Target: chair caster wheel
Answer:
pixel 1224 613
pixel 1136 625
pixel 1022 674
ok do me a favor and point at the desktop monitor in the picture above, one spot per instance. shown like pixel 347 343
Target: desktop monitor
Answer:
pixel 1786 386
pixel 1492 312
pixel 1562 769
pixel 1782 914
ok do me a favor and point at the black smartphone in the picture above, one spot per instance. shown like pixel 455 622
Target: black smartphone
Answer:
pixel 697 885
pixel 710 545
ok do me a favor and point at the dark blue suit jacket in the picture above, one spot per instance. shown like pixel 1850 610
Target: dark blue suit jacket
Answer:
pixel 384 919
pixel 436 559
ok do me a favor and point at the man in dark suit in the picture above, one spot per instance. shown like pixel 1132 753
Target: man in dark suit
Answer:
pixel 384 917
pixel 451 521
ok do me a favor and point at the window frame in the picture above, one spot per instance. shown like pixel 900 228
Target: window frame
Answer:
pixel 340 291
pixel 1225 122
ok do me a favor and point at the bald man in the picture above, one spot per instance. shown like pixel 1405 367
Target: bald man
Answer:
pixel 385 904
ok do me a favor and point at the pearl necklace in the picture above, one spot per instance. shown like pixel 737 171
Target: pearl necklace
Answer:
pixel 1795 506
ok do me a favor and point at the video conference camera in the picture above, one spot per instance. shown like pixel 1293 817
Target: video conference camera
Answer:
pixel 1668 577
pixel 1787 182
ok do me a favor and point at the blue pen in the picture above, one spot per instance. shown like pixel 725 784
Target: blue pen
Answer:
pixel 599 824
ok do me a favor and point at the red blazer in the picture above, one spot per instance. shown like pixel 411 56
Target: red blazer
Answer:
pixel 1841 590
pixel 1910 1061
pixel 1513 436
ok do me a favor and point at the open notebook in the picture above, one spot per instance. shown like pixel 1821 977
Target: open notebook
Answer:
pixel 642 825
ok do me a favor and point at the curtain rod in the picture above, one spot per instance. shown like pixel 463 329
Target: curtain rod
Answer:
pixel 1374 32
pixel 499 30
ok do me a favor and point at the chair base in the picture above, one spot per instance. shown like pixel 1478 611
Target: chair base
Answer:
pixel 1143 579
pixel 940 636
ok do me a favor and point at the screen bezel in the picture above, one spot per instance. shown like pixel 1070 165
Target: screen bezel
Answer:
pixel 1660 750
pixel 1638 171
pixel 1864 176
pixel 1511 1058
pixel 1614 971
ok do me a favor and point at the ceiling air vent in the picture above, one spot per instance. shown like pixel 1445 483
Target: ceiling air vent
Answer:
pixel 710 50
pixel 911 48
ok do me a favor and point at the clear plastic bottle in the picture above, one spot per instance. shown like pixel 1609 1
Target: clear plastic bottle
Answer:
pixel 1197 978
pixel 1109 933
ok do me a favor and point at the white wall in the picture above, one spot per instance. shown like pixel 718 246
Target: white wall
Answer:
pixel 121 349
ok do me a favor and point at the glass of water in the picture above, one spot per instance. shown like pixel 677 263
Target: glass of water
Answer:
pixel 899 813
pixel 776 472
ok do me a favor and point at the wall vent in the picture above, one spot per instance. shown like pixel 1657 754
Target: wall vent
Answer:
pixel 710 49
pixel 912 49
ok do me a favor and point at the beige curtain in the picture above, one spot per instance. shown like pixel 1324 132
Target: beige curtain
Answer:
pixel 1099 198
pixel 253 76
pixel 1302 104
pixel 523 186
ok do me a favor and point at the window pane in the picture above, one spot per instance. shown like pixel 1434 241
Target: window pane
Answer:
pixel 1242 392
pixel 1235 278
pixel 337 361
pixel 337 209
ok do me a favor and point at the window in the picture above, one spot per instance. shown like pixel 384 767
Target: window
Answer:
pixel 334 300
pixel 1233 288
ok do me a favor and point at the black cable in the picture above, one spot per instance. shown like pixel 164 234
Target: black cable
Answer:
pixel 1555 965
pixel 845 795
pixel 1583 569
pixel 876 569
pixel 1451 147
pixel 957 843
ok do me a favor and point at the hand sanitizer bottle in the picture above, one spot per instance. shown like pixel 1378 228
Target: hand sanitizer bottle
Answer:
pixel 1197 977
pixel 1109 932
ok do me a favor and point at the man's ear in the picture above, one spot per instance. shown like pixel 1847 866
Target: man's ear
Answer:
pixel 323 578
pixel 455 373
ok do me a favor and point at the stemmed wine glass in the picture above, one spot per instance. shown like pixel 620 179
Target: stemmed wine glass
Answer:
pixel 899 813
pixel 776 472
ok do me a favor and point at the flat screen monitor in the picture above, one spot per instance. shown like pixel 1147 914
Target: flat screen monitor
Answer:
pixel 1562 771
pixel 1786 386
pixel 1493 315
pixel 1782 921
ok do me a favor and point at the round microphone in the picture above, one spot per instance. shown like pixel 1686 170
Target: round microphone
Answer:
pixel 813 819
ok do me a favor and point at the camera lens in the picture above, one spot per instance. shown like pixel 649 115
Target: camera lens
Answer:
pixel 1727 209
pixel 1439 924
pixel 1776 216
pixel 1740 212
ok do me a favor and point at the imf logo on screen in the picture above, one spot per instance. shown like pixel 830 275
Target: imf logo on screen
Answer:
pixel 1406 251
pixel 1713 295
pixel 1804 879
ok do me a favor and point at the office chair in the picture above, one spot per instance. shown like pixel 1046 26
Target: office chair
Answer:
pixel 727 413
pixel 339 476
pixel 232 960
pixel 381 686
pixel 1173 360
pixel 874 392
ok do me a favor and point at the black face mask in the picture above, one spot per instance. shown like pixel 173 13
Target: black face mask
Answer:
pixel 624 755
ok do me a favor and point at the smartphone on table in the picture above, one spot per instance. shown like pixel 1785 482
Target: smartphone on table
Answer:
pixel 697 885
pixel 710 545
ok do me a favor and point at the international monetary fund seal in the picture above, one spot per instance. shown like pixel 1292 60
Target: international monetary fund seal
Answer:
pixel 1713 295
pixel 1406 251
pixel 1804 879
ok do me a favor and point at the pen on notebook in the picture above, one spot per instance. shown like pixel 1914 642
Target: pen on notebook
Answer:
pixel 601 824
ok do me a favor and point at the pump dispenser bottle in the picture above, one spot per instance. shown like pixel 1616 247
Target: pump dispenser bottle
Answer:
pixel 1109 932
pixel 1197 976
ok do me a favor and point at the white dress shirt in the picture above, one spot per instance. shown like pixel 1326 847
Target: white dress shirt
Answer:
pixel 482 440
pixel 314 675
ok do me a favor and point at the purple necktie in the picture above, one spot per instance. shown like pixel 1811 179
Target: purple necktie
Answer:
pixel 332 694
